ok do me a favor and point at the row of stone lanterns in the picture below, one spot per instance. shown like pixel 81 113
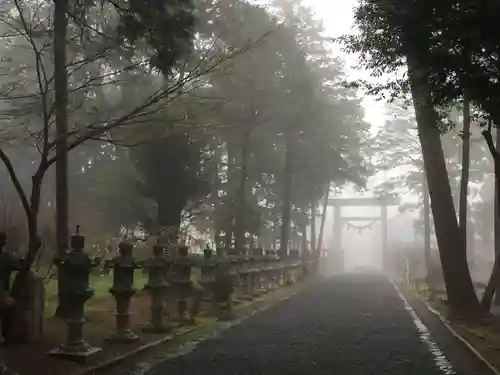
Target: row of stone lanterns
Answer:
pixel 169 272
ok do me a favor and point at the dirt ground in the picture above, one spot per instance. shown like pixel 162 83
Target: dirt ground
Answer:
pixel 101 321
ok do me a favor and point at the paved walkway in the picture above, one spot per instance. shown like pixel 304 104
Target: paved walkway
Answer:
pixel 346 325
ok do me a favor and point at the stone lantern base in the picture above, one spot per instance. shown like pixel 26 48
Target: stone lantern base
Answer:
pixel 76 351
pixel 125 335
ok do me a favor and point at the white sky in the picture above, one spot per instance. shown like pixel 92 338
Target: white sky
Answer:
pixel 338 20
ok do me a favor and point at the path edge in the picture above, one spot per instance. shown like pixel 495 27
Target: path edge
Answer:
pixel 151 345
pixel 447 325
pixel 122 357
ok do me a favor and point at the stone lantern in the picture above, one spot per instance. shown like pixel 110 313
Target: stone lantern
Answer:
pixel 123 290
pixel 245 272
pixel 296 264
pixel 157 286
pixel 8 265
pixel 208 269
pixel 260 269
pixel 254 270
pixel 181 282
pixel 223 290
pixel 272 269
pixel 75 267
pixel 235 261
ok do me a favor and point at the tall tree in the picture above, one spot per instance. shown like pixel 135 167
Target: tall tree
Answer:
pixel 393 36
pixel 33 100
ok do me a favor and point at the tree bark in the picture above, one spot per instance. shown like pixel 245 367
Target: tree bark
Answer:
pixel 494 281
pixel 464 181
pixel 231 177
pixel 287 197
pixel 496 220
pixel 323 218
pixel 459 288
pixel 313 227
pixel 61 116
pixel 239 235
pixel 303 229
pixel 427 230
pixel 61 111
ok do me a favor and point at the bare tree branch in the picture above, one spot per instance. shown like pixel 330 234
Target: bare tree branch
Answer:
pixel 15 181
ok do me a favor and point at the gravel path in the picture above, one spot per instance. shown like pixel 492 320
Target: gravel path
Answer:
pixel 346 325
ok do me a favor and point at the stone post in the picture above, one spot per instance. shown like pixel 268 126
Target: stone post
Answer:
pixel 157 287
pixel 233 257
pixel 223 290
pixel 296 265
pixel 75 267
pixel 272 268
pixel 208 269
pixel 252 278
pixel 260 267
pixel 245 272
pixel 181 282
pixel 123 290
pixel 283 257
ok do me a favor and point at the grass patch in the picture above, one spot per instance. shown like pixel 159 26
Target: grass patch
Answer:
pixel 101 285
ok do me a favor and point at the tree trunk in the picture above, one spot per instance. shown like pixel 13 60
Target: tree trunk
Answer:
pixel 303 229
pixel 313 227
pixel 459 288
pixel 427 230
pixel 61 112
pixel 323 218
pixel 232 173
pixel 496 229
pixel 14 322
pixel 169 216
pixel 494 280
pixel 239 235
pixel 287 198
pixel 464 181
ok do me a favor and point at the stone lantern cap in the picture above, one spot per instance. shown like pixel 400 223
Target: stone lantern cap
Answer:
pixel 77 241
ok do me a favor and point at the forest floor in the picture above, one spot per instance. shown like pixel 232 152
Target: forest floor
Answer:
pixel 100 316
pixel 482 334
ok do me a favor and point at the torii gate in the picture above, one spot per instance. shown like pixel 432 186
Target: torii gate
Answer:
pixel 338 220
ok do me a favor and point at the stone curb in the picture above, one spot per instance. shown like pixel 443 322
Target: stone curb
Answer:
pixel 457 335
pixel 115 360
pixel 122 357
